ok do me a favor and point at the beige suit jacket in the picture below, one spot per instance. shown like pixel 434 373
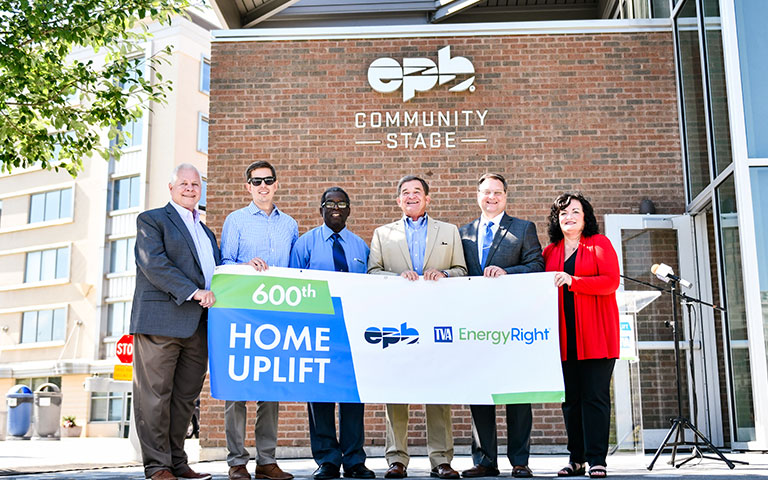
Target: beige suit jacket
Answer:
pixel 390 256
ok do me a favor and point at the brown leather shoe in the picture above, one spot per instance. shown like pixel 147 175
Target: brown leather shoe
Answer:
pixel 396 470
pixel 163 475
pixel 239 472
pixel 480 471
pixel 271 471
pixel 521 471
pixel 444 470
pixel 189 473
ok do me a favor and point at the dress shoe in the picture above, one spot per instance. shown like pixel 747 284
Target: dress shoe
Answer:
pixel 326 471
pixel 396 470
pixel 162 475
pixel 239 472
pixel 358 471
pixel 271 471
pixel 189 473
pixel 521 471
pixel 480 471
pixel 444 470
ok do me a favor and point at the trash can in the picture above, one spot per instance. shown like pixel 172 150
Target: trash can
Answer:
pixel 47 411
pixel 19 399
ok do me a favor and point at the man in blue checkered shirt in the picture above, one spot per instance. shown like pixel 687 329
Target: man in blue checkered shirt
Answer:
pixel 262 236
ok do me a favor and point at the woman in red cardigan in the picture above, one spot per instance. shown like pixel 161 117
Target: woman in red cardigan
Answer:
pixel 587 278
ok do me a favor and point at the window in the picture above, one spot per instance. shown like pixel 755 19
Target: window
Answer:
pixel 34 382
pixel 136 72
pixel 125 193
pixel 1 213
pixel 52 205
pixel 205 75
pixel 47 265
pixel 43 325
pixel 121 255
pixel 202 133
pixel 108 406
pixel 118 319
pixel 133 133
pixel 203 191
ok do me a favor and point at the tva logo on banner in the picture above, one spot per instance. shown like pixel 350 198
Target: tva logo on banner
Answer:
pixel 385 75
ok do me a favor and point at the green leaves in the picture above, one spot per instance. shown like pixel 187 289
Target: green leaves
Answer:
pixel 56 108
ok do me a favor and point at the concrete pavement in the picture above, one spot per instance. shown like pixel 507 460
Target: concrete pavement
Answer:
pixel 114 458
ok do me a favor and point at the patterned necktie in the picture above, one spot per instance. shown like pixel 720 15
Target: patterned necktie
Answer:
pixel 487 241
pixel 339 258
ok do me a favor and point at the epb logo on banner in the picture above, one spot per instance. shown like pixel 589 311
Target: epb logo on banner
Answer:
pixel 385 75
pixel 390 335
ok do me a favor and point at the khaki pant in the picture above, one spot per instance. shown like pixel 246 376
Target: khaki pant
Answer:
pixel 439 434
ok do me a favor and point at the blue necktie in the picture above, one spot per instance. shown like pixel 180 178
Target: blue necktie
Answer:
pixel 487 241
pixel 339 258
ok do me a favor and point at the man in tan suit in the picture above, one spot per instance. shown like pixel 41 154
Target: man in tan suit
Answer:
pixel 414 246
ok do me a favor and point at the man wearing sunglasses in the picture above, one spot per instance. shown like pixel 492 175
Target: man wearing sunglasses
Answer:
pixel 333 247
pixel 262 236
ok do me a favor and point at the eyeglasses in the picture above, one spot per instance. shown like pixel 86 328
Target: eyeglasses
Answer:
pixel 256 181
pixel 330 204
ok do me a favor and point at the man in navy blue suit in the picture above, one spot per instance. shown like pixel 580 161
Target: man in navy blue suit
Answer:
pixel 497 244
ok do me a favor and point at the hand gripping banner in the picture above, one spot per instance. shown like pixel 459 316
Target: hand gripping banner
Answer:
pixel 309 335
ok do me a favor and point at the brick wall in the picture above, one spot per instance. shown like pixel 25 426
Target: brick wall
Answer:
pixel 595 113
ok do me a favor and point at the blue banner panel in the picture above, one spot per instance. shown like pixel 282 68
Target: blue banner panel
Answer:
pixel 280 356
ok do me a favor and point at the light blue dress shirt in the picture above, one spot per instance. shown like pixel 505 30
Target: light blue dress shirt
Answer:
pixel 416 235
pixel 314 250
pixel 250 232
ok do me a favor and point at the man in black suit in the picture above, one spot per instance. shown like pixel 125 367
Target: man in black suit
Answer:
pixel 176 255
pixel 496 244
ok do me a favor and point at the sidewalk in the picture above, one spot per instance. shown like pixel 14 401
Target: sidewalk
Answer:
pixel 113 458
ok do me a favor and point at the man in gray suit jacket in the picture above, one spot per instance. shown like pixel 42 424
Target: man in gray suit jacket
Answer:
pixel 496 244
pixel 176 255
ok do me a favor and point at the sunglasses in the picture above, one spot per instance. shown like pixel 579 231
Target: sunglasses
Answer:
pixel 330 204
pixel 256 181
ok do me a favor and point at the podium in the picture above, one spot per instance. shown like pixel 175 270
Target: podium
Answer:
pixel 627 416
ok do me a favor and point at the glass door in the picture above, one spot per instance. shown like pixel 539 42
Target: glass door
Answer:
pixel 640 242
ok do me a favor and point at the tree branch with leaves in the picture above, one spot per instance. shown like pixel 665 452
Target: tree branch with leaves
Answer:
pixel 55 106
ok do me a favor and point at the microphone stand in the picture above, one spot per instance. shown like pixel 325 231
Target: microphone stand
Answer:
pixel 680 422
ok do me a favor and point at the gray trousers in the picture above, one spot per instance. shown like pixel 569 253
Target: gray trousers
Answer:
pixel 168 375
pixel 265 428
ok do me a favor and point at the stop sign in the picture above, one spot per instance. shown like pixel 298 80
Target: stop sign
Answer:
pixel 124 349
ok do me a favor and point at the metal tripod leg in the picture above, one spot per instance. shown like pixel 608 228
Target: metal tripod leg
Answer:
pixel 697 452
pixel 663 443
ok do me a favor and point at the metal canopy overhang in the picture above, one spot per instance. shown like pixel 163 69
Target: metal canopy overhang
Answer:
pixel 237 14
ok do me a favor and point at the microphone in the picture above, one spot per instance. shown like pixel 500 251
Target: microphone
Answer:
pixel 664 272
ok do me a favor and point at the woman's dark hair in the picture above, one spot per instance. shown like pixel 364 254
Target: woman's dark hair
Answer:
pixel 560 204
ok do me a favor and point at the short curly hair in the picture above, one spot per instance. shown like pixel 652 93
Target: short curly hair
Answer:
pixel 560 204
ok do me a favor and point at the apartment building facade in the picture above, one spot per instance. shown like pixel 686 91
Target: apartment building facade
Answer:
pixel 67 244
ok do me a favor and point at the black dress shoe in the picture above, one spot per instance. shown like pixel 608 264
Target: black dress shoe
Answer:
pixel 358 471
pixel 521 471
pixel 480 471
pixel 326 471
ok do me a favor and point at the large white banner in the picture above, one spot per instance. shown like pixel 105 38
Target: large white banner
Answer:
pixel 308 335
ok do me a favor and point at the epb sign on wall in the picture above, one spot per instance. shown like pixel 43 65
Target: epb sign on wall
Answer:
pixel 386 75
